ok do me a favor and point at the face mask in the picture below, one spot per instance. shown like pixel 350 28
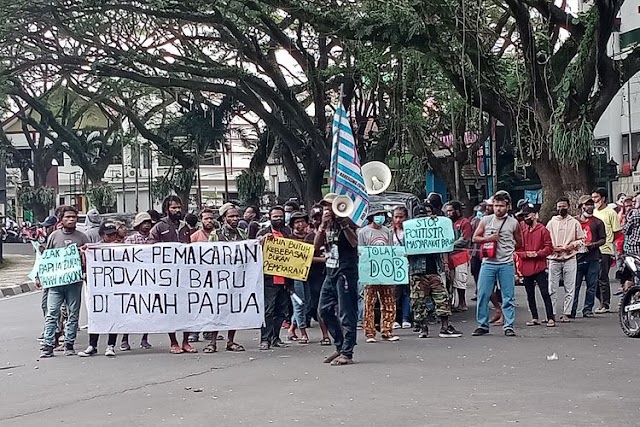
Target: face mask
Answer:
pixel 587 214
pixel 528 221
pixel 598 204
pixel 287 217
pixel 479 214
pixel 379 219
pixel 563 212
pixel 276 223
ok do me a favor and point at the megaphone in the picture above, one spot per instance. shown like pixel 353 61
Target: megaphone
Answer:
pixel 342 206
pixel 377 177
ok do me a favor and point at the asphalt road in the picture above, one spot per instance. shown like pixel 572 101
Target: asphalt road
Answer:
pixel 491 380
pixel 17 248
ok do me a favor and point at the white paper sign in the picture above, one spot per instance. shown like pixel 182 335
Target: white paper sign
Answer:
pixel 173 287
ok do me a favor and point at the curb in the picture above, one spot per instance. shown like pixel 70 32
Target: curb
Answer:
pixel 17 289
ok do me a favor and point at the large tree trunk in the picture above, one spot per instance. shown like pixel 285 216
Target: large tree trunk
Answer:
pixel 314 178
pixel 561 181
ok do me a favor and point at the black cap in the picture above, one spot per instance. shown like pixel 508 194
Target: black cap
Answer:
pixel 107 228
pixel 526 210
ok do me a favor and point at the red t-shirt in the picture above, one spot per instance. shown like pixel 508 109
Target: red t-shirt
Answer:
pixel 464 229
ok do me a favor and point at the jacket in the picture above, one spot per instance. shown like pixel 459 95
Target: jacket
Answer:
pixel 535 239
pixel 167 231
pixel 564 232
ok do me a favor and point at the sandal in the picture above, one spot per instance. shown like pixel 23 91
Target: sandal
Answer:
pixel 176 349
pixel 188 349
pixel 534 322
pixel 293 337
pixel 564 319
pixel 342 360
pixel 325 341
pixel 232 346
pixel 210 348
pixel 551 323
pixel 303 340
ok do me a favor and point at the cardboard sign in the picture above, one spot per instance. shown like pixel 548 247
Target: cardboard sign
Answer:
pixel 428 235
pixel 382 265
pixel 59 267
pixel 170 287
pixel 287 258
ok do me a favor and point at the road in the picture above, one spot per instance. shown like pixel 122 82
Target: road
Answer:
pixel 492 380
pixel 17 248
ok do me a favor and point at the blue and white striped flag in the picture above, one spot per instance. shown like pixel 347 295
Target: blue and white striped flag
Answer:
pixel 345 174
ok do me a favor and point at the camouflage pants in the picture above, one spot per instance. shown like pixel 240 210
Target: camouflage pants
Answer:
pixel 424 286
pixel 387 296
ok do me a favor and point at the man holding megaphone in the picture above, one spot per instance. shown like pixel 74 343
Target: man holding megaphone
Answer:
pixel 339 295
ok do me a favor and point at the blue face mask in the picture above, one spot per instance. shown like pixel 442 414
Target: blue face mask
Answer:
pixel 379 219
pixel 479 214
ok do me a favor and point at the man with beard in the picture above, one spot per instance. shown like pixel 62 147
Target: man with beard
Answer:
pixel 276 295
pixel 207 226
pixel 168 230
pixel 142 226
pixel 339 294
pixel 229 232
pixel 71 294
pixel 588 256
pixel 459 259
pixel 567 236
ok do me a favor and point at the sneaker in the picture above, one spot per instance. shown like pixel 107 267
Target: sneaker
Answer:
pixel 371 340
pixel 69 351
pixel 359 326
pixel 110 351
pixel 509 333
pixel 587 314
pixel 479 332
pixel 47 351
pixel 391 338
pixel 278 343
pixel 90 351
pixel 406 325
pixel 397 325
pixel 602 310
pixel 424 333
pixel 450 332
pixel 124 346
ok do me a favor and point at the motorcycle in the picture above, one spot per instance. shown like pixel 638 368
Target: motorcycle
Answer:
pixel 629 310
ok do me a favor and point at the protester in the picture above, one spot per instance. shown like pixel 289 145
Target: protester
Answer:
pixel 459 258
pixel 229 232
pixel 567 236
pixel 108 235
pixel 66 294
pixel 339 294
pixel 435 200
pixel 425 272
pixel 484 208
pixel 142 226
pixel 249 222
pixel 167 230
pixel 206 229
pixel 122 233
pixel 276 295
pixel 500 236
pixel 316 275
pixel 298 223
pixel 190 223
pixel 403 292
pixel 376 234
pixel 612 226
pixel 290 207
pixel 48 226
pixel 588 257
pixel 93 226
pixel 631 230
pixel 536 247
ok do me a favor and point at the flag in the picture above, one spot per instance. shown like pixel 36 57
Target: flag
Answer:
pixel 345 174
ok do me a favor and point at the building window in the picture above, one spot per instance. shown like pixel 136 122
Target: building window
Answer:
pixel 16 160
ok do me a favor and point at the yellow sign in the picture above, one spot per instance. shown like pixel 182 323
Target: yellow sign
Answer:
pixel 287 258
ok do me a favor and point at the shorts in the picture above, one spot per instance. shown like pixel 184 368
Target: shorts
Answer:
pixel 460 275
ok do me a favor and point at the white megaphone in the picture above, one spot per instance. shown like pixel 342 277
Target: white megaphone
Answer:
pixel 377 177
pixel 342 206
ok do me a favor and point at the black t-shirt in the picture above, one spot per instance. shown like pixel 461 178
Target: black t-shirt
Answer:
pixel 347 254
pixel 316 272
pixel 594 230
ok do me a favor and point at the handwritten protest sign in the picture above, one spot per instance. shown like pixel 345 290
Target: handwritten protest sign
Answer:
pixel 382 265
pixel 287 258
pixel 60 267
pixel 428 235
pixel 171 287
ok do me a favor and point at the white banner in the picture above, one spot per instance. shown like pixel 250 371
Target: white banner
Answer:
pixel 172 287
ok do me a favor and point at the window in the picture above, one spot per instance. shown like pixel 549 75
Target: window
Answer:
pixel 146 158
pixel 15 160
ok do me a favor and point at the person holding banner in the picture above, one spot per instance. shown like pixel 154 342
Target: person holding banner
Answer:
pixel 403 292
pixel 109 234
pixel 168 230
pixel 206 230
pixel 376 234
pixel 339 294
pixel 276 294
pixel 69 294
pixel 425 277
pixel 298 223
pixel 229 232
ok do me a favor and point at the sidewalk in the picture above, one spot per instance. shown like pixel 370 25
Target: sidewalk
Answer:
pixel 14 278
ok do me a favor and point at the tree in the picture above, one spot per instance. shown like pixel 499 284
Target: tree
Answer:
pixel 540 70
